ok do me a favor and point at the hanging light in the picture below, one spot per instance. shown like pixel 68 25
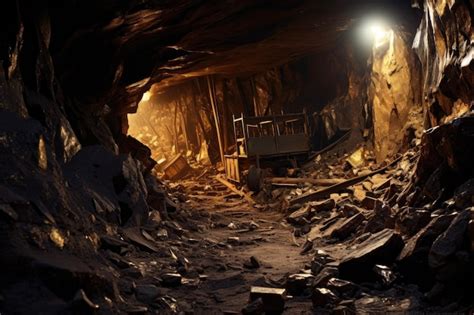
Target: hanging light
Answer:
pixel 375 31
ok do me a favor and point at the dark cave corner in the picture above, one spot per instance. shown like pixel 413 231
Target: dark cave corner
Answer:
pixel 242 157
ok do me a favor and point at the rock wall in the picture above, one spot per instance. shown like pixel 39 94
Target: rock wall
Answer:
pixel 329 86
pixel 444 44
pixel 394 92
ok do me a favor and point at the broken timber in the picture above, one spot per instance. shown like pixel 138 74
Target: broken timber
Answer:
pixel 338 187
pixel 234 189
pixel 314 181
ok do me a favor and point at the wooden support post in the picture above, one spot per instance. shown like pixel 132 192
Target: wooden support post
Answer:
pixel 225 116
pixel 175 127
pixel 255 96
pixel 216 117
pixel 197 110
pixel 183 123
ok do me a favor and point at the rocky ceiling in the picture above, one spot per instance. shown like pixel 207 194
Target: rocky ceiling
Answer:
pixel 112 51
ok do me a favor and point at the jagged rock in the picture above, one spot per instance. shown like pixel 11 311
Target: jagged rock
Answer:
pixel 299 216
pixel 171 279
pixel 113 243
pixel 433 186
pixel 345 307
pixel 134 235
pixel 343 287
pixel 320 259
pixel 452 144
pixel 380 219
pixel 154 217
pixel 329 222
pixel 252 263
pixel 464 195
pixel 167 304
pixel 316 266
pixel 324 275
pixel 380 184
pixel 413 259
pixel 115 180
pixel 449 242
pixel 381 248
pixel 325 205
pixel 66 276
pixel 156 197
pixel 118 260
pixel 322 297
pixel 410 220
pixel 296 284
pixel 133 272
pixel 139 151
pixel 147 292
pixel 273 298
pixel 162 234
pixel 385 274
pixel 349 209
pixel 348 226
pixel 392 89
pixel 255 307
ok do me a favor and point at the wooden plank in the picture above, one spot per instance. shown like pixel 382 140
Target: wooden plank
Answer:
pixel 302 180
pixel 338 187
pixel 232 187
pixel 216 117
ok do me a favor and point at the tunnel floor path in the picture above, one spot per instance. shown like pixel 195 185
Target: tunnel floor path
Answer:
pixel 232 232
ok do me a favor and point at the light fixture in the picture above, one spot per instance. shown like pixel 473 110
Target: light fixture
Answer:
pixel 375 31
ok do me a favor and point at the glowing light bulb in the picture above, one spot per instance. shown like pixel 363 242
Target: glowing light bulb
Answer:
pixel 377 31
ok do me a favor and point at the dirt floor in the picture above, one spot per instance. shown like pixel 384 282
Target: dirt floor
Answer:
pixel 221 235
pixel 235 232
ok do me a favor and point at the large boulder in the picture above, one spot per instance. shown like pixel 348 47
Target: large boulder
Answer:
pixel 380 248
pixel 451 240
pixel 413 259
pixel 114 183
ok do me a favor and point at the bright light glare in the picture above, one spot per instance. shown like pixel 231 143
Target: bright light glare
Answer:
pixel 376 31
pixel 146 97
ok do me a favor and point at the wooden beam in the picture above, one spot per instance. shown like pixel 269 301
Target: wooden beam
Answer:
pixel 232 187
pixel 302 180
pixel 338 187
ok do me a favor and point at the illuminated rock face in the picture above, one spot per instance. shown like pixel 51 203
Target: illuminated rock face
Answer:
pixel 444 46
pixel 394 91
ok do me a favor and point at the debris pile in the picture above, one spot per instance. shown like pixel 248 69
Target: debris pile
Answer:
pixel 400 228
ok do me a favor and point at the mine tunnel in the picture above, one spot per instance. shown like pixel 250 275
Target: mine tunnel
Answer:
pixel 236 157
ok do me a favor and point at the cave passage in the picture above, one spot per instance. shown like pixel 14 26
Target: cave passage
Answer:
pixel 238 157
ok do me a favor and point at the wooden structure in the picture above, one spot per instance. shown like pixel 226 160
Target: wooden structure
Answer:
pixel 270 140
pixel 176 168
